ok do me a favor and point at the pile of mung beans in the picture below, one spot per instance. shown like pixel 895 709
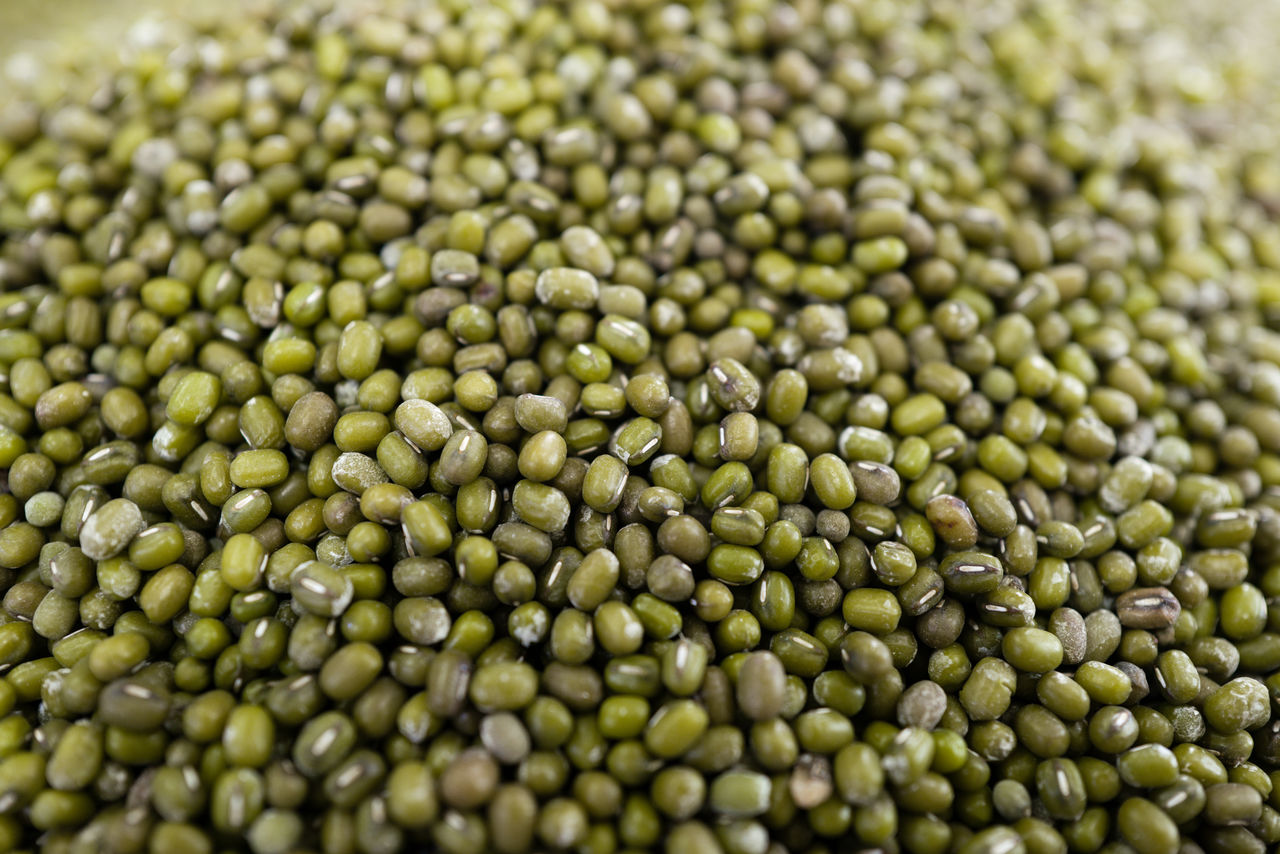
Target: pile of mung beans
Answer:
pixel 741 427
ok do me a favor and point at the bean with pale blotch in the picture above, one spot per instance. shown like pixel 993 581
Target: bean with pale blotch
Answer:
pixel 922 705
pixel 356 472
pixel 110 529
pixel 565 287
pixel 811 782
pixel 828 370
pixel 1241 704
pixel 424 424
pixel 587 250
pixel 1068 626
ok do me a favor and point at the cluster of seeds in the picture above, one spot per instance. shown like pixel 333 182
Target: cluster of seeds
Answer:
pixel 742 427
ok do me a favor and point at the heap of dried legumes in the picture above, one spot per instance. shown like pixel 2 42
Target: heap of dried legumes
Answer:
pixel 742 427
